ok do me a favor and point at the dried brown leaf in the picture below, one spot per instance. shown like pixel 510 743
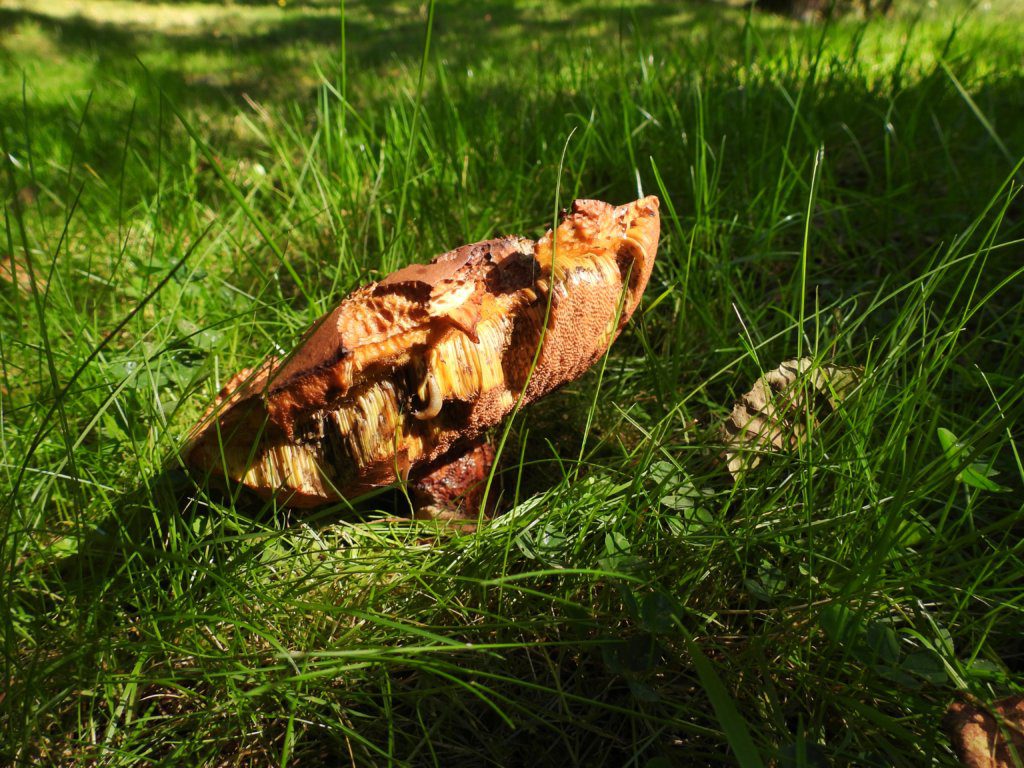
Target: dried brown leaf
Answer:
pixel 775 414
pixel 987 737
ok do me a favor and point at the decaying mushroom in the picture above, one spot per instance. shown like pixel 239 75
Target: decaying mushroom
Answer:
pixel 404 377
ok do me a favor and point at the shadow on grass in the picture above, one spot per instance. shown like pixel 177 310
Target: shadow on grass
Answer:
pixel 150 523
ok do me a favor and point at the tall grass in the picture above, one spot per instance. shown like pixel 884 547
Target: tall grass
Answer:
pixel 847 192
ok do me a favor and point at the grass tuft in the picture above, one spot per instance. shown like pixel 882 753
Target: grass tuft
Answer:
pixel 186 188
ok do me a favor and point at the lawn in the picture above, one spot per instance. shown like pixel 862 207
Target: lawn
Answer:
pixel 187 186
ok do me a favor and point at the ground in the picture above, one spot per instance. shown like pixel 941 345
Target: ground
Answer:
pixel 187 186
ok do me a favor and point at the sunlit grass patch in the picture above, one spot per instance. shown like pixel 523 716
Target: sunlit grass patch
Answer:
pixel 847 193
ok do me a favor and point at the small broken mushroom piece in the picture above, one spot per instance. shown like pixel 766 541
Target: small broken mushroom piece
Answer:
pixel 987 737
pixel 775 414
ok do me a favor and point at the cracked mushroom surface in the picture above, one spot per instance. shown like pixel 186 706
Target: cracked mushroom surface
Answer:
pixel 403 373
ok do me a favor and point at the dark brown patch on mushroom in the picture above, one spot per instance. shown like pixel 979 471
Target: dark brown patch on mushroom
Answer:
pixel 320 347
pixel 441 268
pixel 514 272
pixel 452 487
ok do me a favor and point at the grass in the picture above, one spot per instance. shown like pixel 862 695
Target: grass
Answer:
pixel 185 191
